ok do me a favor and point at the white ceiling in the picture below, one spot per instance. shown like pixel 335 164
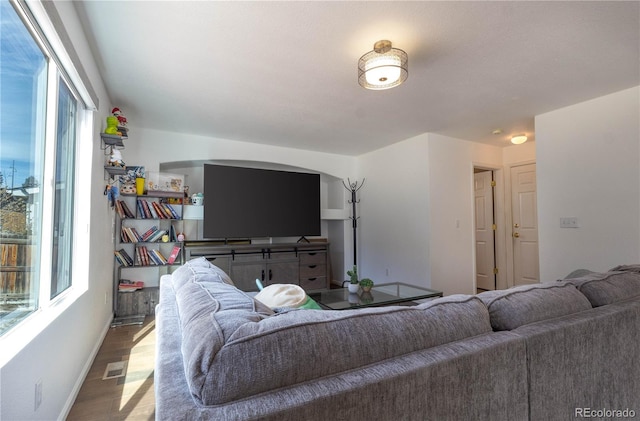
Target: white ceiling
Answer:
pixel 285 73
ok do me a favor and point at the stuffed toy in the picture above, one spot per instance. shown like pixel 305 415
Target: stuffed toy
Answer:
pixel 115 160
pixel 285 296
pixel 122 120
pixel 112 125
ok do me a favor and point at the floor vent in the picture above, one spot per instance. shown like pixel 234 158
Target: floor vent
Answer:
pixel 115 370
pixel 128 320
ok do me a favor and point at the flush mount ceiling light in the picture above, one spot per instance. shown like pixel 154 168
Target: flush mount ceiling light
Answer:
pixel 383 68
pixel 517 140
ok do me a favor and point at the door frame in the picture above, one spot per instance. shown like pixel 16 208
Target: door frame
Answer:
pixel 509 220
pixel 499 218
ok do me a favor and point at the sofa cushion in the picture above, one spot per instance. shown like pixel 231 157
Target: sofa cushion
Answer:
pixel 200 270
pixel 609 287
pixel 231 355
pixel 526 304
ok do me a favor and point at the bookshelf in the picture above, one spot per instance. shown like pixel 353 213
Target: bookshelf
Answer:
pixel 147 245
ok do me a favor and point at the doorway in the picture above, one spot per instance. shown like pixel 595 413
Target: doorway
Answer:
pixel 485 229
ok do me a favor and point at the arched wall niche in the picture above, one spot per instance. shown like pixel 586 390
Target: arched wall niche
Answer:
pixel 333 200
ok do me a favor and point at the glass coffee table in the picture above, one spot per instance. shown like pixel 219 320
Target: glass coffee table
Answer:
pixel 396 293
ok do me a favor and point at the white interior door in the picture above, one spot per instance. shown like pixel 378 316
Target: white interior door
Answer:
pixel 484 224
pixel 525 225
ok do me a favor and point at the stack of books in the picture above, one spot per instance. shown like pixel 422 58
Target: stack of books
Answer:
pixel 123 257
pixel 149 257
pixel 155 210
pixel 123 210
pixel 126 285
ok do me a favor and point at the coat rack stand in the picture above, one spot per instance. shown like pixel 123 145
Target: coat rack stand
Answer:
pixel 353 187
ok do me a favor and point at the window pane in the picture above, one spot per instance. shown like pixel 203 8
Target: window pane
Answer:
pixel 23 71
pixel 63 200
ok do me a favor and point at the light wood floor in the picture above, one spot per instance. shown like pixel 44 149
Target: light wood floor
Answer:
pixel 130 397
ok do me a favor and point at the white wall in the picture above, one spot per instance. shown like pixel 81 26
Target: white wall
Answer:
pixel 451 242
pixel 588 167
pixel 151 147
pixel 393 230
pixel 62 352
pixel 417 212
pixel 515 154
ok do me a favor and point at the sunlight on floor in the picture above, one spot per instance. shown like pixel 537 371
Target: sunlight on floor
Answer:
pixel 138 382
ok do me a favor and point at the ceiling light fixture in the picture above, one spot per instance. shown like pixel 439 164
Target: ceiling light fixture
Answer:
pixel 518 140
pixel 383 68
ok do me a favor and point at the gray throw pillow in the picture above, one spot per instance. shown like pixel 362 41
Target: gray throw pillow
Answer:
pixel 514 307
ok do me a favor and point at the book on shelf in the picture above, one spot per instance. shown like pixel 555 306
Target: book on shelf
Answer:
pixel 123 257
pixel 159 210
pixel 153 209
pixel 144 253
pixel 119 258
pixel 130 235
pixel 148 233
pixel 140 209
pixel 171 211
pixel 175 252
pixel 123 210
pixel 125 285
pixel 119 209
pixel 156 236
pixel 147 210
pixel 143 209
pixel 157 257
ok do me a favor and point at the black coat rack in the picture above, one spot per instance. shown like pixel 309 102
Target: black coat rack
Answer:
pixel 353 188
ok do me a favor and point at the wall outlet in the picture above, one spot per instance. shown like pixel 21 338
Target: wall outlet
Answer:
pixel 569 222
pixel 38 395
pixel 386 272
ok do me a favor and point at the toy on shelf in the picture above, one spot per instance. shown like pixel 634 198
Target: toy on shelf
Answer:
pixel 115 160
pixel 112 125
pixel 122 120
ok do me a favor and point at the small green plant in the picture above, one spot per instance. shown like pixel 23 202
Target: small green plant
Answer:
pixel 353 275
pixel 366 282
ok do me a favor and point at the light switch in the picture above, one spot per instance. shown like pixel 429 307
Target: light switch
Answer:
pixel 569 222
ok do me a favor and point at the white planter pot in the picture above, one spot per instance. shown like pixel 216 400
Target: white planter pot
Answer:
pixel 353 288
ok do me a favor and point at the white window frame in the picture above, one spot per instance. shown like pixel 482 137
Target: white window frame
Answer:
pixel 19 336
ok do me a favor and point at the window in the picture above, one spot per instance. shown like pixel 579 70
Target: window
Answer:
pixel 63 199
pixel 38 121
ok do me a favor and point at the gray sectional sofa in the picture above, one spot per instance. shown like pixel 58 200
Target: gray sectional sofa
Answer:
pixel 553 351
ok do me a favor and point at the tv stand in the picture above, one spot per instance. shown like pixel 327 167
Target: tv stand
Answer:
pixel 305 264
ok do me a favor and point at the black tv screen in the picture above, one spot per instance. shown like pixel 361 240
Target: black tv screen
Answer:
pixel 249 202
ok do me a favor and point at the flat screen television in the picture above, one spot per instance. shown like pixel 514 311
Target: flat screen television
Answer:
pixel 248 203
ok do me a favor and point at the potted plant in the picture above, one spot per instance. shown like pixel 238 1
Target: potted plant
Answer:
pixel 353 280
pixel 366 284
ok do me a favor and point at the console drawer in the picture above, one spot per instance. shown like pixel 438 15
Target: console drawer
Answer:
pixel 314 282
pixel 310 271
pixel 313 257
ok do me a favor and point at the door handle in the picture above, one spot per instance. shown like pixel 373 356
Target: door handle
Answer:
pixel 516 225
pixel 262 275
pixel 270 275
pixel 516 235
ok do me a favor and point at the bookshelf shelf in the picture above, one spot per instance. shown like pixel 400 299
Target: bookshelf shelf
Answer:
pixel 112 140
pixel 115 170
